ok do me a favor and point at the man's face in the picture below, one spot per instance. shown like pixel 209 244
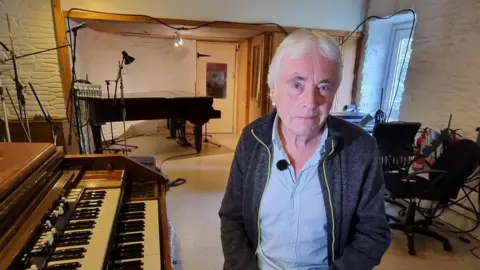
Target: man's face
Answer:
pixel 304 92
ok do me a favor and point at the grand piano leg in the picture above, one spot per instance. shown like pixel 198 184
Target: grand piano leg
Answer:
pixel 97 138
pixel 197 132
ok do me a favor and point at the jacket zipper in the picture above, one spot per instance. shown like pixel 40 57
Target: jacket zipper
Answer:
pixel 330 202
pixel 261 199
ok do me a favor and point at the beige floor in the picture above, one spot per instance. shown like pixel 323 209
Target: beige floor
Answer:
pixel 193 209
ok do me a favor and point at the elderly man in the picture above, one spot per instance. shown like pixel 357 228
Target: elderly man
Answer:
pixel 305 189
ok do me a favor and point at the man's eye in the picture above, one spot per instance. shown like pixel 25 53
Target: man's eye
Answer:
pixel 297 85
pixel 325 87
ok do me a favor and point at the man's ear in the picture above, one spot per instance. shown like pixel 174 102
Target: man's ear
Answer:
pixel 272 95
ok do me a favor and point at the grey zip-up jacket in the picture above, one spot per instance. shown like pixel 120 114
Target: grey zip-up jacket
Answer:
pixel 352 183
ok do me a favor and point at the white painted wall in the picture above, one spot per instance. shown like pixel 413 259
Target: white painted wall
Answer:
pixel 444 72
pixel 158 66
pixel 32 30
pixel 326 14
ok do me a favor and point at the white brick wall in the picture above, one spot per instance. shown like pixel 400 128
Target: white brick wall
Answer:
pixel 444 72
pixel 32 30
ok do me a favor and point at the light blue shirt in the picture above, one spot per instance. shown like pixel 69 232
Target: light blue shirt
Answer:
pixel 293 222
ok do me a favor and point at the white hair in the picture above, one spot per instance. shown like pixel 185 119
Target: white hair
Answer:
pixel 300 43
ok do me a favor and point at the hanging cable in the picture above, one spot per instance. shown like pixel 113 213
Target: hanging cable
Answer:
pixel 183 28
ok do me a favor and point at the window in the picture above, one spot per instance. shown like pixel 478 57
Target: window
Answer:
pixel 397 65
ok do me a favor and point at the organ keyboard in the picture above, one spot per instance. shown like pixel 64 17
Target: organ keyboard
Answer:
pixel 79 212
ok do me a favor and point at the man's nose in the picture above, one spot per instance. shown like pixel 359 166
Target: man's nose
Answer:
pixel 312 97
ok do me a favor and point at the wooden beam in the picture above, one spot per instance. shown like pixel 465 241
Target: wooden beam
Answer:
pixel 63 54
pixel 185 37
pixel 181 22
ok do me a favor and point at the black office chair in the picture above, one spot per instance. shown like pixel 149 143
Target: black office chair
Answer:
pixel 445 179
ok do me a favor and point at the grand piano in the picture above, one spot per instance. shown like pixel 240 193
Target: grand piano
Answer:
pixel 173 106
pixel 89 212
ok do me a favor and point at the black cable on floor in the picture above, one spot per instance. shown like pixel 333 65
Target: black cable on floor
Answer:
pixel 473 252
pixel 175 157
pixel 179 181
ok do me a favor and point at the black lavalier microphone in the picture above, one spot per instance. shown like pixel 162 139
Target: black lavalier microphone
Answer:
pixel 282 165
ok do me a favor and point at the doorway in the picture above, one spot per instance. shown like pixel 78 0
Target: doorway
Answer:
pixel 216 78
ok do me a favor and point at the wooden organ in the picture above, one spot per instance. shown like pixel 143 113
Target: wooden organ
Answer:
pixel 90 212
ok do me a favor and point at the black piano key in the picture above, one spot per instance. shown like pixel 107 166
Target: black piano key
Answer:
pixel 134 237
pixel 133 210
pixel 92 197
pixel 133 204
pixel 73 238
pixel 99 193
pixel 95 192
pixel 130 265
pixel 133 223
pixel 126 208
pixel 75 235
pixel 131 229
pixel 89 201
pixel 128 216
pixel 68 251
pixel 64 266
pixel 67 256
pixel 89 204
pixel 84 216
pixel 137 246
pixel 83 222
pixel 86 211
pixel 128 255
pixel 80 225
pixel 73 242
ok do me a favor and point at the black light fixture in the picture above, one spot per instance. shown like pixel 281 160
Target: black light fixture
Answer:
pixel 128 59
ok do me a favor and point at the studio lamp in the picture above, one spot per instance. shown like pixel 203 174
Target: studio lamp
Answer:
pixel 178 40
pixel 128 59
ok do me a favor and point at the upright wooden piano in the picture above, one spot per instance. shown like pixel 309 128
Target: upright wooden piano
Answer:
pixel 80 212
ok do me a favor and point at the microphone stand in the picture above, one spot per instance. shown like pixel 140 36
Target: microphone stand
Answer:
pixel 16 112
pixel 113 141
pixel 29 54
pixel 5 115
pixel 47 116
pixel 74 100
pixel 122 102
pixel 19 87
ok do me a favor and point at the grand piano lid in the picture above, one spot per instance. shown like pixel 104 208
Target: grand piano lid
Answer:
pixel 18 161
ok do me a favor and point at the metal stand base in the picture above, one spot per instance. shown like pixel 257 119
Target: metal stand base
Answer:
pixel 205 140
